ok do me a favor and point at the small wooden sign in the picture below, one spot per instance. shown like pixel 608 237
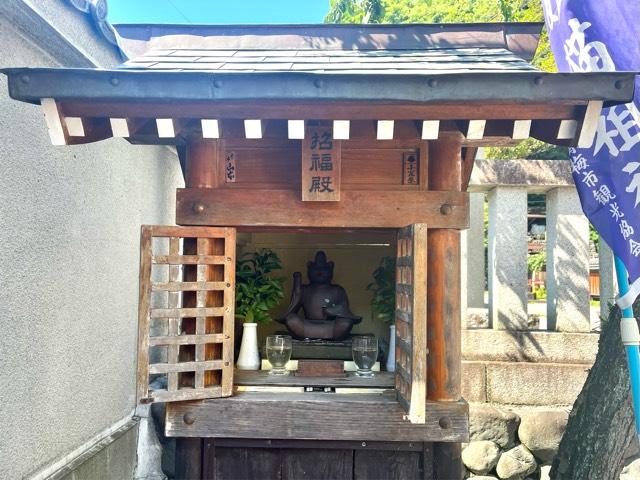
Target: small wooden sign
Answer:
pixel 230 167
pixel 320 164
pixel 320 368
pixel 410 166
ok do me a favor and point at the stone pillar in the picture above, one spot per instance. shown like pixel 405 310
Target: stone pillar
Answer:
pixel 464 283
pixel 608 282
pixel 507 272
pixel 475 275
pixel 567 262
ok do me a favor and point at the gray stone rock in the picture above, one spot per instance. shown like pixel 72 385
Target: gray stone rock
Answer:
pixel 481 457
pixel 516 464
pixel 489 423
pixel 483 477
pixel 541 432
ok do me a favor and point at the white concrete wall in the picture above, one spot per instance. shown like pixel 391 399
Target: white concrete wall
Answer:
pixel 70 220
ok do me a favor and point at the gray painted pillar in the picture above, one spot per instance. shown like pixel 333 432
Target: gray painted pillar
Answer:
pixel 507 270
pixel 608 285
pixel 567 262
pixel 475 251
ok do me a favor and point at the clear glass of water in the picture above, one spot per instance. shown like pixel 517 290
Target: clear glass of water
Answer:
pixel 365 352
pixel 278 353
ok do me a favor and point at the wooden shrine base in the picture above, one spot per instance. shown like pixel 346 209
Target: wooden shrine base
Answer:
pixel 315 416
pixel 226 459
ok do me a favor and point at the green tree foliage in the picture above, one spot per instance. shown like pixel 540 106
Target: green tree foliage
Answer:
pixel 383 301
pixel 257 292
pixel 460 11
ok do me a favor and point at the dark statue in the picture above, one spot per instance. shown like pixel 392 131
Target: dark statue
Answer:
pixel 325 306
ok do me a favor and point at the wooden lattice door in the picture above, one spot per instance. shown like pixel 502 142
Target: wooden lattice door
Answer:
pixel 186 313
pixel 411 320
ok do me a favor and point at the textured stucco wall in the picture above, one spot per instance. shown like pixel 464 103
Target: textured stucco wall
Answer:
pixel 70 220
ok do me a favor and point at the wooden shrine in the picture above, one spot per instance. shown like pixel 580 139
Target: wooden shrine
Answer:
pixel 320 128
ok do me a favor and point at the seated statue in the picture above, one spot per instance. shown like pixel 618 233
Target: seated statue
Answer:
pixel 325 306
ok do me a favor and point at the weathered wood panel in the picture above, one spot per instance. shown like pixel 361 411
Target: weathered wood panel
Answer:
pixel 196 337
pixel 371 166
pixel 319 444
pixel 315 416
pixel 411 320
pixel 321 465
pixel 376 465
pixel 276 163
pixel 188 459
pixel 269 164
pixel 245 464
pixel 356 209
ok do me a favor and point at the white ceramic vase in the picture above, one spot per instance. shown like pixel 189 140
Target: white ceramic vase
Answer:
pixel 391 357
pixel 249 357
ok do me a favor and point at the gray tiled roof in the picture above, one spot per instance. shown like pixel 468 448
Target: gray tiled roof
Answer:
pixel 427 61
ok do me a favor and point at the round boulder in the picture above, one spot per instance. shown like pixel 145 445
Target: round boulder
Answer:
pixel 516 464
pixel 481 457
pixel 541 432
pixel 489 423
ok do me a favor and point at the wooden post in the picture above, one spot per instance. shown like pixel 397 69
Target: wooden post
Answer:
pixel 201 172
pixel 202 164
pixel 443 301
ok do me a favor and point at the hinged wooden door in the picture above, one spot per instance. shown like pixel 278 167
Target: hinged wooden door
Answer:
pixel 186 313
pixel 411 321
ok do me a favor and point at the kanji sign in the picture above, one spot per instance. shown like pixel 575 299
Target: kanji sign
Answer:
pixel 410 168
pixel 320 164
pixel 230 167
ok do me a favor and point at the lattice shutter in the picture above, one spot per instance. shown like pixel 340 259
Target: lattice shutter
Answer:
pixel 186 313
pixel 411 320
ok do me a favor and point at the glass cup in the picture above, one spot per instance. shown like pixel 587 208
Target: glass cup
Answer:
pixel 365 352
pixel 278 353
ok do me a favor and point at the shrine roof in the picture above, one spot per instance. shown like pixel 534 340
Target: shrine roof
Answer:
pixel 469 75
pixel 372 49
pixel 403 63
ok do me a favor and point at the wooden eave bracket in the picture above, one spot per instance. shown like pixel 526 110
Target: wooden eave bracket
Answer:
pixel 562 125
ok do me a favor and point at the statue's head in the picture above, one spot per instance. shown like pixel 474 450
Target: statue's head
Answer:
pixel 320 271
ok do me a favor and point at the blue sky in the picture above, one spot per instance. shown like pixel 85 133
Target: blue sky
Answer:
pixel 217 11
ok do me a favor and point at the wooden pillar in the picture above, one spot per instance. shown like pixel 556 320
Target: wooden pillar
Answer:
pixel 201 164
pixel 201 172
pixel 443 302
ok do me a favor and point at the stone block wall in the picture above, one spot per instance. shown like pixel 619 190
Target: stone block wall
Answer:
pixel 525 367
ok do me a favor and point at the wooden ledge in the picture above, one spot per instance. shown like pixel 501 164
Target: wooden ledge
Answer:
pixel 315 416
pixel 261 378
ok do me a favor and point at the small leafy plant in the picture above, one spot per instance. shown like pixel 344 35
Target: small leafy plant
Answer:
pixel 536 262
pixel 257 291
pixel 383 301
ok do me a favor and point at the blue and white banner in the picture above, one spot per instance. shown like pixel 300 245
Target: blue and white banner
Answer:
pixel 600 36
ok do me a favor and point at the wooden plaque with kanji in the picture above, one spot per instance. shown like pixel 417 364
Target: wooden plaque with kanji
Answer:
pixel 186 313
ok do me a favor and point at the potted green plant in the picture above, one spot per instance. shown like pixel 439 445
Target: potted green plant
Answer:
pixel 257 292
pixel 383 302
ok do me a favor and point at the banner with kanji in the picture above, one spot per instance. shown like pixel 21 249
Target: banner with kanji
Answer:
pixel 597 36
